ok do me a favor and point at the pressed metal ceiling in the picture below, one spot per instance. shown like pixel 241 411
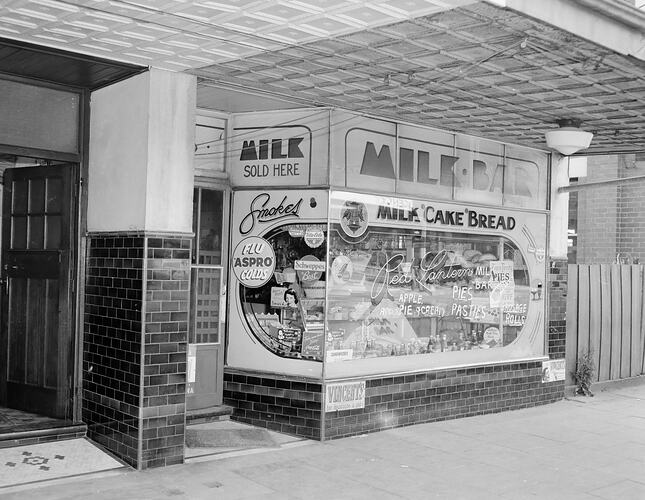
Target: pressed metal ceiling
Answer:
pixel 456 65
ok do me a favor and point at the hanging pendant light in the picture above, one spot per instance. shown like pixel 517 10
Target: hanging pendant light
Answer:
pixel 569 138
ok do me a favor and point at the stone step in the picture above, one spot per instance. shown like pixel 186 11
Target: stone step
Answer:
pixel 205 415
pixel 228 434
pixel 65 430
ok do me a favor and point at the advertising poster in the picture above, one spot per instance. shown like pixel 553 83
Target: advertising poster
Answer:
pixel 553 370
pixel 345 396
pixel 278 281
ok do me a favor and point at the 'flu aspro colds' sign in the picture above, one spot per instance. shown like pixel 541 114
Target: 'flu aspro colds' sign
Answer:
pixel 253 261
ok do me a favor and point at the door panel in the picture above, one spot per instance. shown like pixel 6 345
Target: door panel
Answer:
pixel 37 251
pixel 204 387
pixel 205 390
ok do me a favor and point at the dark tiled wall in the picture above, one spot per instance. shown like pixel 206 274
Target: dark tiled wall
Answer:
pixel 112 343
pixel 116 384
pixel 283 404
pixel 557 328
pixel 426 397
pixel 166 337
pixel 294 406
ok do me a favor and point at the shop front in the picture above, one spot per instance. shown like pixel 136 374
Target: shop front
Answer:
pixel 382 274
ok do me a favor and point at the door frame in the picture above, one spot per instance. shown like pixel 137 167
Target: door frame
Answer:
pixel 69 298
pixel 225 189
pixel 78 241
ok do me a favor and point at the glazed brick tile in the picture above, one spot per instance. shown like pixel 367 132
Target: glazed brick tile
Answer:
pixel 115 337
pixel 274 402
pixel 109 361
pixel 446 394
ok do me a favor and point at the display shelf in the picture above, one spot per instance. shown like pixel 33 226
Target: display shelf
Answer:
pixel 310 303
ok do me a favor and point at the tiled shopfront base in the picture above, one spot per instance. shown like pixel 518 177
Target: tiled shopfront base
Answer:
pixel 439 395
pixel 283 404
pixel 294 405
pixel 134 349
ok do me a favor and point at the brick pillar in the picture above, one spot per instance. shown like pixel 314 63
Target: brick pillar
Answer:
pixel 165 346
pixel 557 327
pixel 136 332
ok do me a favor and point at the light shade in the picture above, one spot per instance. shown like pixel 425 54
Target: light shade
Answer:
pixel 567 139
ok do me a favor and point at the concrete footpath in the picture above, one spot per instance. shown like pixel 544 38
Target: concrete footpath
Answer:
pixel 578 448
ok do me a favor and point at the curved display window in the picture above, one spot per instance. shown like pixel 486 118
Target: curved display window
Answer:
pixel 404 292
pixel 404 282
pixel 387 285
pixel 286 314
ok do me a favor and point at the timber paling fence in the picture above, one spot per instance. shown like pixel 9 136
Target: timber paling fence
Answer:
pixel 605 317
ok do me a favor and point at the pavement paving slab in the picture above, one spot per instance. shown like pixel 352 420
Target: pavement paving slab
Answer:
pixel 575 449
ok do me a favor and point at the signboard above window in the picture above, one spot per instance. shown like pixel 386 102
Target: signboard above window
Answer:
pixel 320 148
pixel 286 148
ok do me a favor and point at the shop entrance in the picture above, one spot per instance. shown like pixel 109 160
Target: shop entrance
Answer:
pixel 205 371
pixel 36 339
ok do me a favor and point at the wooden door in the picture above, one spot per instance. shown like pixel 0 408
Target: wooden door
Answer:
pixel 36 344
pixel 205 370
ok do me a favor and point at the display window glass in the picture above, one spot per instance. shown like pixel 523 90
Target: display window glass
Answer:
pixel 372 284
pixel 404 285
pixel 286 314
pixel 278 276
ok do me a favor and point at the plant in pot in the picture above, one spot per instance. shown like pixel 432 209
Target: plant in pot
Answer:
pixel 584 373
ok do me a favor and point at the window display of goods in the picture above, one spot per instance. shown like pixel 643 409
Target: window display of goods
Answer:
pixel 423 292
pixel 315 290
pixel 285 313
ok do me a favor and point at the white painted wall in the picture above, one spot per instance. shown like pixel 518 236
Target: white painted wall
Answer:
pixel 141 154
pixel 559 208
pixel 171 152
pixel 118 156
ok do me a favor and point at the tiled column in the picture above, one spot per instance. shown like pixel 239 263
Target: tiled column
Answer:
pixel 557 329
pixel 557 316
pixel 112 342
pixel 165 345
pixel 136 326
pixel 139 224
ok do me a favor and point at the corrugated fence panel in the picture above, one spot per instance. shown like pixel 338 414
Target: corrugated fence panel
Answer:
pixel 605 316
pixel 643 323
pixel 594 314
pixel 637 304
pixel 583 310
pixel 605 323
pixel 626 339
pixel 616 322
pixel 572 322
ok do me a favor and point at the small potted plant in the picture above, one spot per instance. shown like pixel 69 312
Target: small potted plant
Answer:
pixel 584 374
